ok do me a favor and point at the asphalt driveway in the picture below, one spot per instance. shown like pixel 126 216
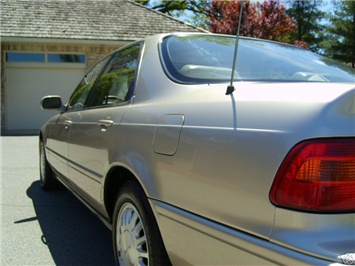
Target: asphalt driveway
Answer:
pixel 44 228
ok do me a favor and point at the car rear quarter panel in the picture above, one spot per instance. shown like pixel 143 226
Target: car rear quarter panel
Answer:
pixel 229 151
pixel 327 235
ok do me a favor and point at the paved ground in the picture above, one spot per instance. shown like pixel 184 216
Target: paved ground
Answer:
pixel 44 228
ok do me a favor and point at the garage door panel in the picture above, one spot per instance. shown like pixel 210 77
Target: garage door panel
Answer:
pixel 24 89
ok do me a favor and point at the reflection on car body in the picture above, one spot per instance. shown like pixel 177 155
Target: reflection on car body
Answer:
pixel 184 174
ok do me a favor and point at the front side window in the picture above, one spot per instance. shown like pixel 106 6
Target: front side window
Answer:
pixel 78 100
pixel 115 84
pixel 199 58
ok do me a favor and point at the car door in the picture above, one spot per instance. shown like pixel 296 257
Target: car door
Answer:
pixel 94 129
pixel 57 145
pixel 60 131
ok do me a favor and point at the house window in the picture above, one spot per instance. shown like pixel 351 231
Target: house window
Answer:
pixel 25 57
pixel 14 57
pixel 66 58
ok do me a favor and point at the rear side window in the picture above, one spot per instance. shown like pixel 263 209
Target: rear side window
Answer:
pixel 205 58
pixel 116 83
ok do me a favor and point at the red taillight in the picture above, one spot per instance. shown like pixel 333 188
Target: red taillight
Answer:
pixel 317 176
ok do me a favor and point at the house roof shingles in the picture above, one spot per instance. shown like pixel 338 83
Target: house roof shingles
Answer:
pixel 106 20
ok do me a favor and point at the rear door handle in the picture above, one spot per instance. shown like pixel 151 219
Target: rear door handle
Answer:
pixel 104 124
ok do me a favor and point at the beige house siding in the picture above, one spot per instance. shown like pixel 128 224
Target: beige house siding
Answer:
pixel 93 54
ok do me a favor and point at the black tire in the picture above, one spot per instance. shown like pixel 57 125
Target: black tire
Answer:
pixel 47 177
pixel 135 233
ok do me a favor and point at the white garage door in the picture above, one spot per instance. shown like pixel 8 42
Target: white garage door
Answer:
pixel 26 86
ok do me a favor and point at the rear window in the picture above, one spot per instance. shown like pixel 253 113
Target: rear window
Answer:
pixel 199 59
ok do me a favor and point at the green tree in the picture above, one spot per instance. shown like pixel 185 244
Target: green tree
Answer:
pixel 266 20
pixel 193 11
pixel 308 16
pixel 340 39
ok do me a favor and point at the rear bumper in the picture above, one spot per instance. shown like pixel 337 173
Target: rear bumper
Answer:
pixel 190 239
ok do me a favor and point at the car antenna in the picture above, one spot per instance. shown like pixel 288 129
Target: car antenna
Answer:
pixel 230 87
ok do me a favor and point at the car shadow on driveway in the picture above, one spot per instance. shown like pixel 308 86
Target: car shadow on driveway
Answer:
pixel 73 234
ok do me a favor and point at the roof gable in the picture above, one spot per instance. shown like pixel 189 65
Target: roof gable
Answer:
pixel 107 20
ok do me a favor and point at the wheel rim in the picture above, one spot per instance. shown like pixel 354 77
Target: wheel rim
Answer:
pixel 43 164
pixel 131 240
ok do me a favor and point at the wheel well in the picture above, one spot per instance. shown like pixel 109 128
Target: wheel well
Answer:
pixel 114 181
